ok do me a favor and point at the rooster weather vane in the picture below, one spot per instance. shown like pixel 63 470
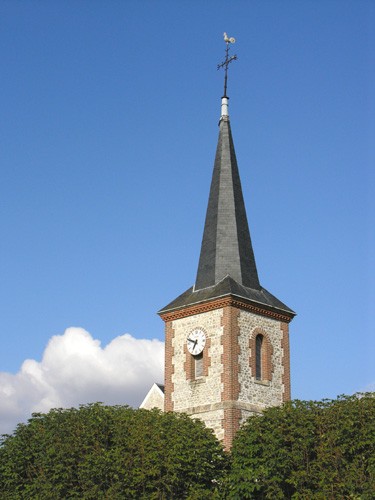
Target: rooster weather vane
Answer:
pixel 228 59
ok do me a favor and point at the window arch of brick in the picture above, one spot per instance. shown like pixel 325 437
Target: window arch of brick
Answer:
pixel 261 356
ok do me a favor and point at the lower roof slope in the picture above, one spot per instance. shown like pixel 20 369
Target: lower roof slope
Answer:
pixel 228 287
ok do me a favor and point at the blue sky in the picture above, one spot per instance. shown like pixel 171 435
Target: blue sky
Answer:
pixel 108 135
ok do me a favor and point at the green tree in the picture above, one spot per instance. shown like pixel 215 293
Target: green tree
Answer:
pixel 307 450
pixel 112 452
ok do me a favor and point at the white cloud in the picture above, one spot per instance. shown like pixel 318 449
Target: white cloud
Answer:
pixel 75 369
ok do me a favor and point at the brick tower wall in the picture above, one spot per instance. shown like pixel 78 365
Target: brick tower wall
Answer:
pixel 227 393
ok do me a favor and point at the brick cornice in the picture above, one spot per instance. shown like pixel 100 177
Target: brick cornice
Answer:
pixel 221 302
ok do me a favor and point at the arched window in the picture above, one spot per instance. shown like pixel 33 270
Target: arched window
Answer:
pixel 258 356
pixel 261 356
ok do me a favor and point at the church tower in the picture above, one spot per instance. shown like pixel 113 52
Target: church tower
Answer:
pixel 226 337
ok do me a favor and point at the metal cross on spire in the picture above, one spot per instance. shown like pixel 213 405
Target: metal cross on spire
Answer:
pixel 227 60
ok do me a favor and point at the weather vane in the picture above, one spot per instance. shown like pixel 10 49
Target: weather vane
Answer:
pixel 227 60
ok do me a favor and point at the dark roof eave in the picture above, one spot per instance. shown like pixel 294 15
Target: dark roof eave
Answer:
pixel 289 312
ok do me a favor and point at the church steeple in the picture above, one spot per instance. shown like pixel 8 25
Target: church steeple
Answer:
pixel 226 246
pixel 227 263
pixel 226 337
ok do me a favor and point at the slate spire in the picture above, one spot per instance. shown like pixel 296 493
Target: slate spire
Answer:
pixel 226 264
pixel 226 246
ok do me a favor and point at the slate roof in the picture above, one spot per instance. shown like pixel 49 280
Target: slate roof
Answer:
pixel 226 245
pixel 226 264
pixel 228 286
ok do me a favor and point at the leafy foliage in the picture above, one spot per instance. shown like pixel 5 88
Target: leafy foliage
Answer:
pixel 318 450
pixel 109 452
pixel 307 450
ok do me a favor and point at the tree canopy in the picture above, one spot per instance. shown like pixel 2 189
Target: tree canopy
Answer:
pixel 307 450
pixel 109 452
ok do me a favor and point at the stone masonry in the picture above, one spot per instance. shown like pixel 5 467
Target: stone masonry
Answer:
pixel 228 392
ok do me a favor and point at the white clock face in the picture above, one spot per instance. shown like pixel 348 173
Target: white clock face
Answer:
pixel 196 341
